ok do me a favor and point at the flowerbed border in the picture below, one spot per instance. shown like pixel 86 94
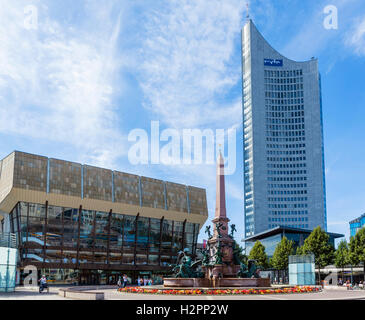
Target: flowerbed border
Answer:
pixel 288 290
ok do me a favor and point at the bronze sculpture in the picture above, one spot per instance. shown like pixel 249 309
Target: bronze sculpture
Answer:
pixel 233 230
pixel 218 255
pixel 207 230
pixel 186 268
pixel 206 257
pixel 218 227
pixel 248 271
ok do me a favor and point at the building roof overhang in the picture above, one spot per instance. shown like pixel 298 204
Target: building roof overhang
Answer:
pixel 283 230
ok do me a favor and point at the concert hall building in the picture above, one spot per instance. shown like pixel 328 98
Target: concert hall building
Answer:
pixel 87 225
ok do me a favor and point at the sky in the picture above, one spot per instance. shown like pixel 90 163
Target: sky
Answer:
pixel 77 77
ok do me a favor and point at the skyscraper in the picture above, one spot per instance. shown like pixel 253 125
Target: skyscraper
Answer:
pixel 284 180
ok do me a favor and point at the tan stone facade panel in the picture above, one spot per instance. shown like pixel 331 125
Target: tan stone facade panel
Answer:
pixel 198 201
pixel 23 195
pixel 97 183
pixel 153 193
pixel 65 178
pixel 30 172
pixel 176 195
pixel 27 174
pixel 6 175
pixel 126 188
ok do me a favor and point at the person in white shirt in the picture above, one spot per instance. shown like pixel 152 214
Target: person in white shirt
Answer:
pixel 43 283
pixel 125 280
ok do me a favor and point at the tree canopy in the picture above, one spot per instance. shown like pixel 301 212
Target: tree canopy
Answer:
pixel 342 255
pixel 258 253
pixel 357 248
pixel 318 244
pixel 280 259
pixel 300 251
pixel 238 254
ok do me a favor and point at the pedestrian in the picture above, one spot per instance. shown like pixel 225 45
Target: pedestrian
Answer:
pixel 43 283
pixel 361 285
pixel 125 280
pixel 348 285
pixel 119 283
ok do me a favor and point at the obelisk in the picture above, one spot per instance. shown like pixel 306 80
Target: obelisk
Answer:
pixel 220 216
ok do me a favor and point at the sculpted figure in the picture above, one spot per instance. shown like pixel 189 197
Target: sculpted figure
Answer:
pixel 218 255
pixel 233 230
pixel 218 227
pixel 207 230
pixel 186 267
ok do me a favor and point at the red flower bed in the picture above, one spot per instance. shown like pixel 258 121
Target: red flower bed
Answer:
pixel 143 290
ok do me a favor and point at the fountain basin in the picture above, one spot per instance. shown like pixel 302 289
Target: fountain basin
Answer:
pixel 217 283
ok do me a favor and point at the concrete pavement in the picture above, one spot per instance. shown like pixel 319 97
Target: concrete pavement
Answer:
pixel 22 293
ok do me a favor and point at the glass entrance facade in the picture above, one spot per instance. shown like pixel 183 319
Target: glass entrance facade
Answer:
pixel 75 245
pixel 8 259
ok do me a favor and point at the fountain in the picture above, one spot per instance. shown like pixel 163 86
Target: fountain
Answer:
pixel 220 266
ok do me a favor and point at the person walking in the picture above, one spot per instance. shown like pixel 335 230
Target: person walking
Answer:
pixel 125 280
pixel 119 283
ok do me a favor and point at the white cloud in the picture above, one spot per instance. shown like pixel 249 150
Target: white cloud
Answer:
pixel 356 39
pixel 187 62
pixel 313 39
pixel 58 83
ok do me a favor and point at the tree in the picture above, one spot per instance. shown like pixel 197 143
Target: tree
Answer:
pixel 299 251
pixel 258 253
pixel 238 254
pixel 342 256
pixel 357 248
pixel 280 259
pixel 318 244
pixel 354 261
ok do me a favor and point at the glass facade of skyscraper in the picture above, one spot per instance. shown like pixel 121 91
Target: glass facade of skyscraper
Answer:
pixel 284 181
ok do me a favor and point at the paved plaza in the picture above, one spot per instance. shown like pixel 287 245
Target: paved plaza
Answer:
pixel 112 294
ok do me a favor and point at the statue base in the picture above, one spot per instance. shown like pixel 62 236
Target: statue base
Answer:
pixel 221 271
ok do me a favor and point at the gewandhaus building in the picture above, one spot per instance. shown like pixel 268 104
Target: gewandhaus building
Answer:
pixel 88 225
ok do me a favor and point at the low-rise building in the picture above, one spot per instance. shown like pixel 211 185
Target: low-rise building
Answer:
pixel 271 238
pixel 356 225
pixel 78 223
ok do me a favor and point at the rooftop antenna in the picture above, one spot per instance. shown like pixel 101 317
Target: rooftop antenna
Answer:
pixel 248 11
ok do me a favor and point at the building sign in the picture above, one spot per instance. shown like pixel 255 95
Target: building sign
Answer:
pixel 273 62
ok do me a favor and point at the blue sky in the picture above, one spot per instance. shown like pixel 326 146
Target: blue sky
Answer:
pixel 92 71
